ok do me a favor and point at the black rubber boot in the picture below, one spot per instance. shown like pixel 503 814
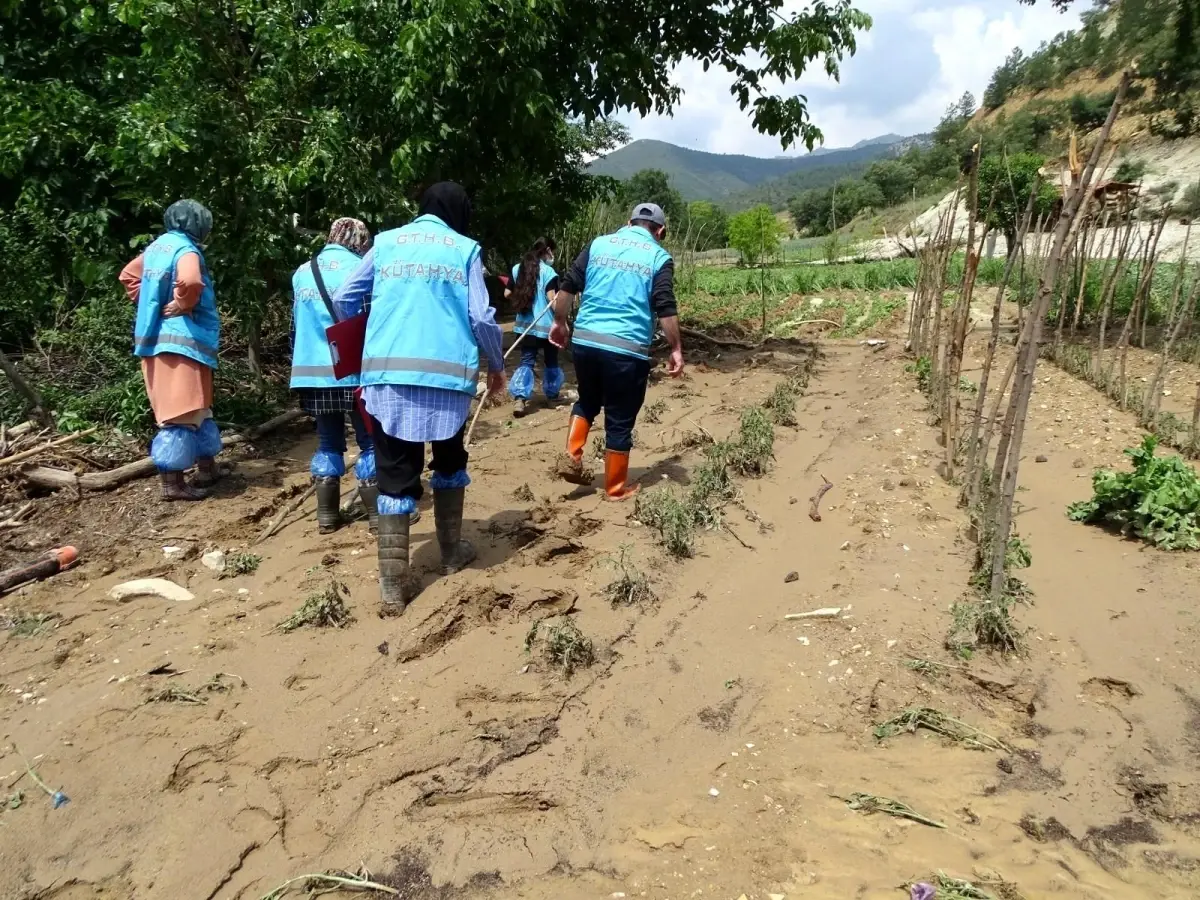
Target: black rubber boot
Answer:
pixel 457 554
pixel 368 492
pixel 395 579
pixel 175 487
pixel 208 473
pixel 329 500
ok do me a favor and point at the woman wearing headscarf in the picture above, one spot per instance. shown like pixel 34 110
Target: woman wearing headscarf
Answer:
pixel 534 283
pixel 429 323
pixel 321 394
pixel 176 334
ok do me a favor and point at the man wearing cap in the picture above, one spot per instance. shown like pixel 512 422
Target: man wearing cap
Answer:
pixel 627 279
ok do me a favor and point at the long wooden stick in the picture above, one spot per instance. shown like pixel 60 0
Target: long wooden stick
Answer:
pixel 507 353
pixel 26 454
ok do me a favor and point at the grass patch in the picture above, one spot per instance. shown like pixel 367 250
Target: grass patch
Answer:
pixel 666 511
pixel 653 412
pixel 752 453
pixel 781 404
pixel 241 564
pixel 26 625
pixel 219 684
pixel 992 888
pixel 325 608
pixel 562 645
pixel 870 804
pixel 937 721
pixel 631 587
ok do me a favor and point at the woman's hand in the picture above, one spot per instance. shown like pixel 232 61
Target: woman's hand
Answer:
pixel 172 310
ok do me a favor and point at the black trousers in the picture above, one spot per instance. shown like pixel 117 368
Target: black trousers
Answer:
pixel 399 463
pixel 615 383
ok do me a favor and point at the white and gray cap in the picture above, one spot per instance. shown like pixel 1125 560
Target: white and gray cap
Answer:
pixel 649 212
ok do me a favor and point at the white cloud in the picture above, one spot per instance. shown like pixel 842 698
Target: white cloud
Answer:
pixel 920 56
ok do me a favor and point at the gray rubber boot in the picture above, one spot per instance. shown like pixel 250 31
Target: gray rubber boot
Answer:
pixel 457 554
pixel 208 472
pixel 329 502
pixel 395 580
pixel 175 487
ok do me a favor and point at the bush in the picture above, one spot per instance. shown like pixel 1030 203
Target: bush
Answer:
pixel 1189 203
pixel 1090 112
pixel 1131 170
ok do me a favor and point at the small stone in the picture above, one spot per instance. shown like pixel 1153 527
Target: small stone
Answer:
pixel 1078 463
pixel 845 545
pixel 713 792
pixel 214 560
pixel 908 482
pixel 790 577
pixel 888 484
pixel 173 553
pixel 1041 458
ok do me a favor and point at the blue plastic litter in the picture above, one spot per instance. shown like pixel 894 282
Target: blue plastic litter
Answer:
pixel 58 798
pixel 174 448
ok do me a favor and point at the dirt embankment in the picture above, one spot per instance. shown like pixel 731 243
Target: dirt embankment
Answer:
pixel 703 753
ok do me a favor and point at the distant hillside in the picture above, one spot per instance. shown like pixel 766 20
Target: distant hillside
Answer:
pixel 734 180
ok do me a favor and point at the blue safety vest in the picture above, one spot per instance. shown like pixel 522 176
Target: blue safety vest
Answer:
pixel 615 313
pixel 195 335
pixel 541 329
pixel 312 364
pixel 419 329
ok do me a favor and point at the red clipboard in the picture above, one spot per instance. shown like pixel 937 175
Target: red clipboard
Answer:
pixel 346 340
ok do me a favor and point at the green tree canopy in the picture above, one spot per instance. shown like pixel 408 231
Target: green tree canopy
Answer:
pixel 1004 187
pixel 705 225
pixel 895 179
pixel 754 234
pixel 653 186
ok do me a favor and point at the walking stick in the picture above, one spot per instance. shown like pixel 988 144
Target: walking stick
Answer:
pixel 520 337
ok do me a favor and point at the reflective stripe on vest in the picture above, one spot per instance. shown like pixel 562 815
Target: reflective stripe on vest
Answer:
pixel 196 335
pixel 614 312
pixel 312 362
pixel 419 329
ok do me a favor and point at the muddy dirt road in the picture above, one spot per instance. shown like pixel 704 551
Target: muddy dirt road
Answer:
pixel 707 750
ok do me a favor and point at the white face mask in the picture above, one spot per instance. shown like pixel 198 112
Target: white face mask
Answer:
pixel 549 259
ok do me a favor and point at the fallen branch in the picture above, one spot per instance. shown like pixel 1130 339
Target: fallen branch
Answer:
pixel 26 454
pixel 327 881
pixel 55 479
pixel 719 342
pixel 14 521
pixel 277 522
pixel 814 511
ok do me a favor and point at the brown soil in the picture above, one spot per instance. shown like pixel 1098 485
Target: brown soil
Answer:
pixel 701 755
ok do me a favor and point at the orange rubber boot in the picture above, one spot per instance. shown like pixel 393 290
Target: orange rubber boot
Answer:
pixel 616 474
pixel 571 468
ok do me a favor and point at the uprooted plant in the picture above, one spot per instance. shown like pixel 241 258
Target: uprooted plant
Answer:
pixel 220 683
pixel 781 404
pixel 237 564
pixel 653 412
pixel 325 608
pixel 938 722
pixel 631 587
pixel 562 645
pixel 1158 502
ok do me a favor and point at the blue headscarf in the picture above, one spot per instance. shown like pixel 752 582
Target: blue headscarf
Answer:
pixel 190 217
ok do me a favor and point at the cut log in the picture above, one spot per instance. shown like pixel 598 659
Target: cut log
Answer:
pixel 56 479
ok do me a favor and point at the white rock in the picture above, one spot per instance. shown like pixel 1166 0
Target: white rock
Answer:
pixel 154 587
pixel 173 552
pixel 713 792
pixel 214 560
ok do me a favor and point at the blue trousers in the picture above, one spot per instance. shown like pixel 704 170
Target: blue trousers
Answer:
pixel 521 383
pixel 615 383
pixel 331 432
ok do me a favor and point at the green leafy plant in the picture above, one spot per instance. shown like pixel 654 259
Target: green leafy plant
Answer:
pixel 562 645
pixel 241 564
pixel 631 587
pixel 1158 502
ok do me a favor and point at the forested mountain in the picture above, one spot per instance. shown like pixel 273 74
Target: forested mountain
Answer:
pixel 741 180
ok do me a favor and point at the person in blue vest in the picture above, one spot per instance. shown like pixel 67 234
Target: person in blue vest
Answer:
pixel 534 283
pixel 176 334
pixel 626 279
pixel 327 399
pixel 429 324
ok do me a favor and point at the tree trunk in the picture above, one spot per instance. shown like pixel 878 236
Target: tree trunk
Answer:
pixel 36 406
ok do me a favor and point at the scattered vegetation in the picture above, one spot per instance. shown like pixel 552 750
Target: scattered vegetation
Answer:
pixel 237 564
pixel 950 888
pixel 937 721
pixel 561 645
pixel 26 624
pixel 631 587
pixel 664 510
pixel 218 684
pixel 325 608
pixel 653 412
pixel 1158 502
pixel 985 622
pixel 754 450
pixel 870 804
pixel 524 494
pixel 781 404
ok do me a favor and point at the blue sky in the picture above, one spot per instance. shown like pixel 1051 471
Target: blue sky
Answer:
pixel 919 57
